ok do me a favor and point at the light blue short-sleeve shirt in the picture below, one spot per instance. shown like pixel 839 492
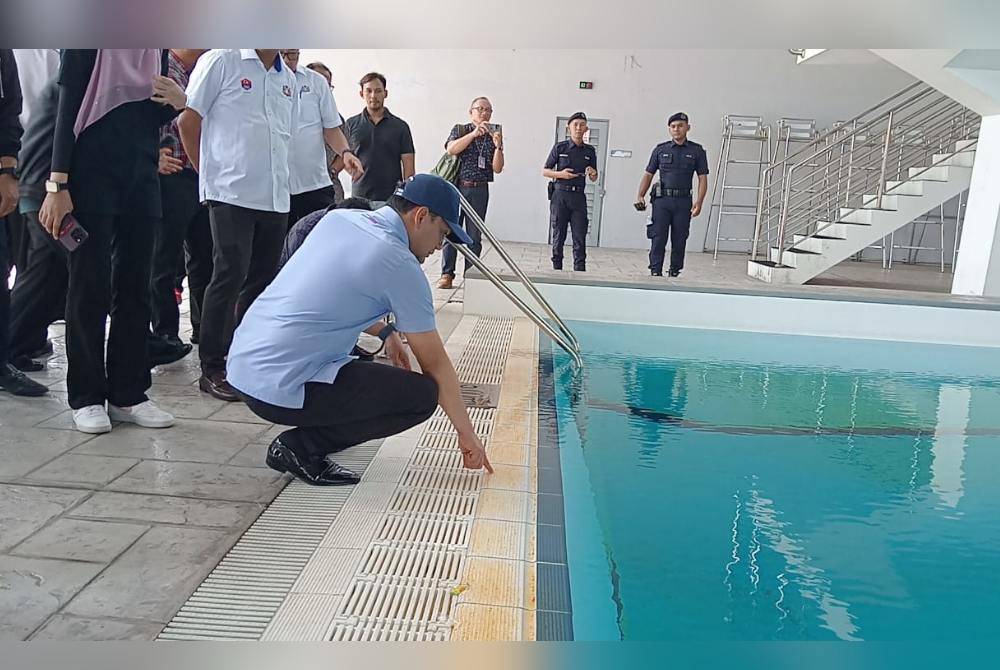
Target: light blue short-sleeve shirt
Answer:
pixel 353 269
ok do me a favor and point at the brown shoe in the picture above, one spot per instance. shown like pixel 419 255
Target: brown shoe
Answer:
pixel 215 385
pixel 446 281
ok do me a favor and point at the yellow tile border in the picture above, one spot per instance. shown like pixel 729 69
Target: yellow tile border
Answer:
pixel 497 601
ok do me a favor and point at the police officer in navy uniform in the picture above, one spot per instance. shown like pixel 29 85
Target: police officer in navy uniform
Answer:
pixel 568 164
pixel 677 161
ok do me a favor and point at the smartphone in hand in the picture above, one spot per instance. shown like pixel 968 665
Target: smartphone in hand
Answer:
pixel 71 233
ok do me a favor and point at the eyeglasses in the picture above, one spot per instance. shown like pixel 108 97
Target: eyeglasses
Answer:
pixel 483 109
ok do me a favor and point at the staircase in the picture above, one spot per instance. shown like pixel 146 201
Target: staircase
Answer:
pixel 861 181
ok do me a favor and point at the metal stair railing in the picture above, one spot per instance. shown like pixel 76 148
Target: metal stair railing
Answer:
pixel 564 337
pixel 807 191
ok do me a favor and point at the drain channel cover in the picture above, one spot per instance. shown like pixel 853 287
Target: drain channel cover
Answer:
pixel 480 395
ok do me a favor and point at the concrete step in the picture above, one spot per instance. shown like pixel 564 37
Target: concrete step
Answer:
pixel 964 159
pixel 840 229
pixel 870 201
pixel 939 173
pixel 965 144
pixel 915 187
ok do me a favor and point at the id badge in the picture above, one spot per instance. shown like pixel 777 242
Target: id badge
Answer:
pixel 482 162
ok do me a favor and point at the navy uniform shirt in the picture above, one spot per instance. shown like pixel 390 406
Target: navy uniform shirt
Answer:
pixel 677 163
pixel 565 154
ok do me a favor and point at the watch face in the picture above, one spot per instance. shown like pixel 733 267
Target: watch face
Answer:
pixel 51 187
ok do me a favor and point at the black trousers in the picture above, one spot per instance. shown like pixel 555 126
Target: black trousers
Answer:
pixel 109 275
pixel 17 238
pixel 569 208
pixel 479 198
pixel 184 227
pixel 671 220
pixel 366 401
pixel 39 294
pixel 308 202
pixel 246 247
pixel 4 292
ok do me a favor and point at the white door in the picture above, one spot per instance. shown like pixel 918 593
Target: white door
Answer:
pixel 598 137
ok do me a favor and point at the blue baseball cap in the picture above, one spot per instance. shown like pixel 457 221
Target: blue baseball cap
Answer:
pixel 439 196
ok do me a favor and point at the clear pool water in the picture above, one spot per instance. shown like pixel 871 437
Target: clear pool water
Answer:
pixel 734 486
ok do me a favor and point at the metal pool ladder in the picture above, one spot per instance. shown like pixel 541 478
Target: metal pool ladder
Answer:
pixel 561 335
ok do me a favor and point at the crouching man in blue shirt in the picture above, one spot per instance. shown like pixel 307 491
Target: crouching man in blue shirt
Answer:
pixel 290 358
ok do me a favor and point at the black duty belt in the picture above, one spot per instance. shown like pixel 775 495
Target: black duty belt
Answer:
pixel 676 192
pixel 465 183
pixel 573 189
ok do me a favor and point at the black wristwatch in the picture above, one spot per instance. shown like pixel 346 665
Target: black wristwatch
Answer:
pixel 386 332
pixel 9 170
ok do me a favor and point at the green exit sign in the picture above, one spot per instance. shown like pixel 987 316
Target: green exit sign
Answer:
pixel 586 85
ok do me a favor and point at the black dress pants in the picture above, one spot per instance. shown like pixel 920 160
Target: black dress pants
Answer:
pixel 183 228
pixel 569 208
pixel 246 248
pixel 109 275
pixel 39 294
pixel 366 401
pixel 306 203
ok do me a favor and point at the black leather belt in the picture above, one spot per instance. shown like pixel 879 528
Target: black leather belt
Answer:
pixel 464 183
pixel 676 192
pixel 573 189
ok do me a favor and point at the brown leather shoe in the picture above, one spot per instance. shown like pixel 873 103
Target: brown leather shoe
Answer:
pixel 446 281
pixel 215 385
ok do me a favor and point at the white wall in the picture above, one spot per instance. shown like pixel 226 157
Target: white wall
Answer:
pixel 977 271
pixel 636 90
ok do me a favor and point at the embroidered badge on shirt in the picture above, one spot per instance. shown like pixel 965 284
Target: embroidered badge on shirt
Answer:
pixel 305 89
pixel 246 84
pixel 287 90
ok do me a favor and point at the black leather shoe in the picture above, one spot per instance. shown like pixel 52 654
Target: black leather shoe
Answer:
pixel 27 364
pixel 674 273
pixel 654 273
pixel 216 386
pixel 44 352
pixel 169 354
pixel 283 459
pixel 557 266
pixel 15 382
pixel 580 268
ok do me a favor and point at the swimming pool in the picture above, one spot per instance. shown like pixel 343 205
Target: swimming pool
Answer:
pixel 735 486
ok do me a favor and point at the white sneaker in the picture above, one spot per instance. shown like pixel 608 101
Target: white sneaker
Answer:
pixel 92 419
pixel 145 414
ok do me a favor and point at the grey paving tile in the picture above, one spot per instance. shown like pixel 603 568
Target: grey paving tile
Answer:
pixel 94 471
pixel 168 510
pixel 187 440
pixel 25 509
pixel 251 456
pixel 77 540
pixel 25 412
pixel 237 411
pixel 24 449
pixel 70 628
pixel 185 403
pixel 155 576
pixel 194 480
pixel 35 588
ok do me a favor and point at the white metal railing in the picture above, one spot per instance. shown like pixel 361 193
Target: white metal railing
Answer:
pixel 809 190
pixel 561 335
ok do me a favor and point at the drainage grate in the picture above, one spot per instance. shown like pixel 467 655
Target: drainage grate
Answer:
pixel 480 395
pixel 404 530
pixel 238 600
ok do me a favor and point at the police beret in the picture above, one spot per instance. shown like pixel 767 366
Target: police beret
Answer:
pixel 578 115
pixel 679 116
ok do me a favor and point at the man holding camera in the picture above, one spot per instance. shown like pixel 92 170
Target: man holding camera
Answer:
pixel 677 161
pixel 479 147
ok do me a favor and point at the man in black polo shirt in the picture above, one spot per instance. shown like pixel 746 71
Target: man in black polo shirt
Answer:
pixel 382 142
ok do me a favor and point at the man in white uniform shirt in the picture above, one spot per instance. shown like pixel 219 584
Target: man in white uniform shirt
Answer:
pixel 319 123
pixel 237 129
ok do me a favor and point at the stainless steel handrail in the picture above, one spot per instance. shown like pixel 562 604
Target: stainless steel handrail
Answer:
pixel 564 337
pixel 798 192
